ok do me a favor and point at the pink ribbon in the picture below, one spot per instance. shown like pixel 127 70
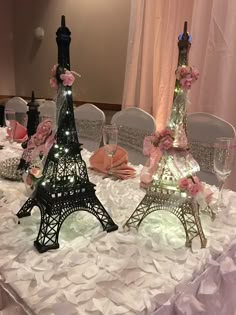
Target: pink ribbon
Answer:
pixel 150 166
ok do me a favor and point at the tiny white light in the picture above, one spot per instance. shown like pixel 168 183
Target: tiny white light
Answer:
pixel 69 92
pixel 56 146
pixel 56 155
pixel 67 112
pixel 66 150
pixel 72 179
pixel 67 133
pixel 43 183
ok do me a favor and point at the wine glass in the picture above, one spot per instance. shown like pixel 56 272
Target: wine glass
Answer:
pixel 10 115
pixel 224 154
pixel 110 137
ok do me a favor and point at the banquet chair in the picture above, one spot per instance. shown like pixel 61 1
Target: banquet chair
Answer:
pixel 47 110
pixel 89 121
pixel 202 131
pixel 134 124
pixel 19 105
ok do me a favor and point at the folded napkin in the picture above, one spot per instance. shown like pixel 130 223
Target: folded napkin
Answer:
pixel 17 132
pixel 101 162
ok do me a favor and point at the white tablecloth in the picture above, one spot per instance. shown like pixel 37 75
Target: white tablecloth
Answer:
pixel 133 273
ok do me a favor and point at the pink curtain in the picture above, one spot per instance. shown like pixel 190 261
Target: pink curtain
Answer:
pixel 214 54
pixel 152 54
pixel 152 57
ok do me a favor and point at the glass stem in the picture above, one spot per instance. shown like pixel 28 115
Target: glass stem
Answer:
pixel 220 200
pixel 111 156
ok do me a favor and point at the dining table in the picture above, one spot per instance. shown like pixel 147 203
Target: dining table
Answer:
pixel 148 271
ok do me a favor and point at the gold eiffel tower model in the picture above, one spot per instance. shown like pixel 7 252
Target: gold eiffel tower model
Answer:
pixel 163 192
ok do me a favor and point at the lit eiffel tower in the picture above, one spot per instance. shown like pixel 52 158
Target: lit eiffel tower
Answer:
pixel 64 187
pixel 163 193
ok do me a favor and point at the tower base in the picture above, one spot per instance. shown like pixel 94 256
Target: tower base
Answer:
pixel 56 207
pixel 185 209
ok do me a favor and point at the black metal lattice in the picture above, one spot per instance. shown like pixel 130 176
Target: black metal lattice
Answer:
pixel 64 187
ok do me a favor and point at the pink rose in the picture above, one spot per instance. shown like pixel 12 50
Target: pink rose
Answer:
pixel 29 180
pixel 184 183
pixel 196 180
pixel 155 139
pixel 194 189
pixel 186 82
pixel 166 143
pixel 53 83
pixel 54 70
pixel 67 78
pixel 44 128
pixel 181 72
pixel 166 132
pixel 195 74
pixel 36 172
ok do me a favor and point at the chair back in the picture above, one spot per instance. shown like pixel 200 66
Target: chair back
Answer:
pixel 134 124
pixel 89 121
pixel 48 110
pixel 19 105
pixel 202 130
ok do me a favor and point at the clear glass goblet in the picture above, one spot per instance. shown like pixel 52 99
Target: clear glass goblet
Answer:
pixel 10 115
pixel 224 155
pixel 110 138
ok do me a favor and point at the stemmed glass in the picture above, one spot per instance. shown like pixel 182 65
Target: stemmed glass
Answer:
pixel 110 137
pixel 10 115
pixel 224 153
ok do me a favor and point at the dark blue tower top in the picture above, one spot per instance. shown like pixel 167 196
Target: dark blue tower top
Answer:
pixel 63 43
pixel 184 44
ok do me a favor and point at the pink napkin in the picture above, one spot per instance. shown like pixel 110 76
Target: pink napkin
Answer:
pixel 101 162
pixel 17 132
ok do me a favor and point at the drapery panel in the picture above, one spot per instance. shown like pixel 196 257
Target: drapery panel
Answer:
pixel 152 54
pixel 152 57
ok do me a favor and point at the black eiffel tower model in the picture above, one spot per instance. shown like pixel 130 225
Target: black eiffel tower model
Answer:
pixel 163 193
pixel 32 124
pixel 64 187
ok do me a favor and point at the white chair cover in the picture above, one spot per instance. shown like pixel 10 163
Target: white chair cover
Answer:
pixel 89 123
pixel 19 105
pixel 47 110
pixel 202 130
pixel 134 124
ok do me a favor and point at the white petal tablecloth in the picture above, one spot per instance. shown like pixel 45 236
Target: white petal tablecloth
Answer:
pixel 98 273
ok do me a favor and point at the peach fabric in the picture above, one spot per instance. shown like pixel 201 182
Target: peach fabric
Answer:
pixel 101 162
pixel 19 131
pixel 152 55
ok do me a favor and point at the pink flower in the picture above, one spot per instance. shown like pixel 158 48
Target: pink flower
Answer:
pixel 155 139
pixel 36 172
pixel 54 70
pixel 166 143
pixel 166 132
pixel 181 72
pixel 196 180
pixel 184 183
pixel 186 82
pixel 194 189
pixel 195 74
pixel 53 83
pixel 29 180
pixel 67 78
pixel 44 128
